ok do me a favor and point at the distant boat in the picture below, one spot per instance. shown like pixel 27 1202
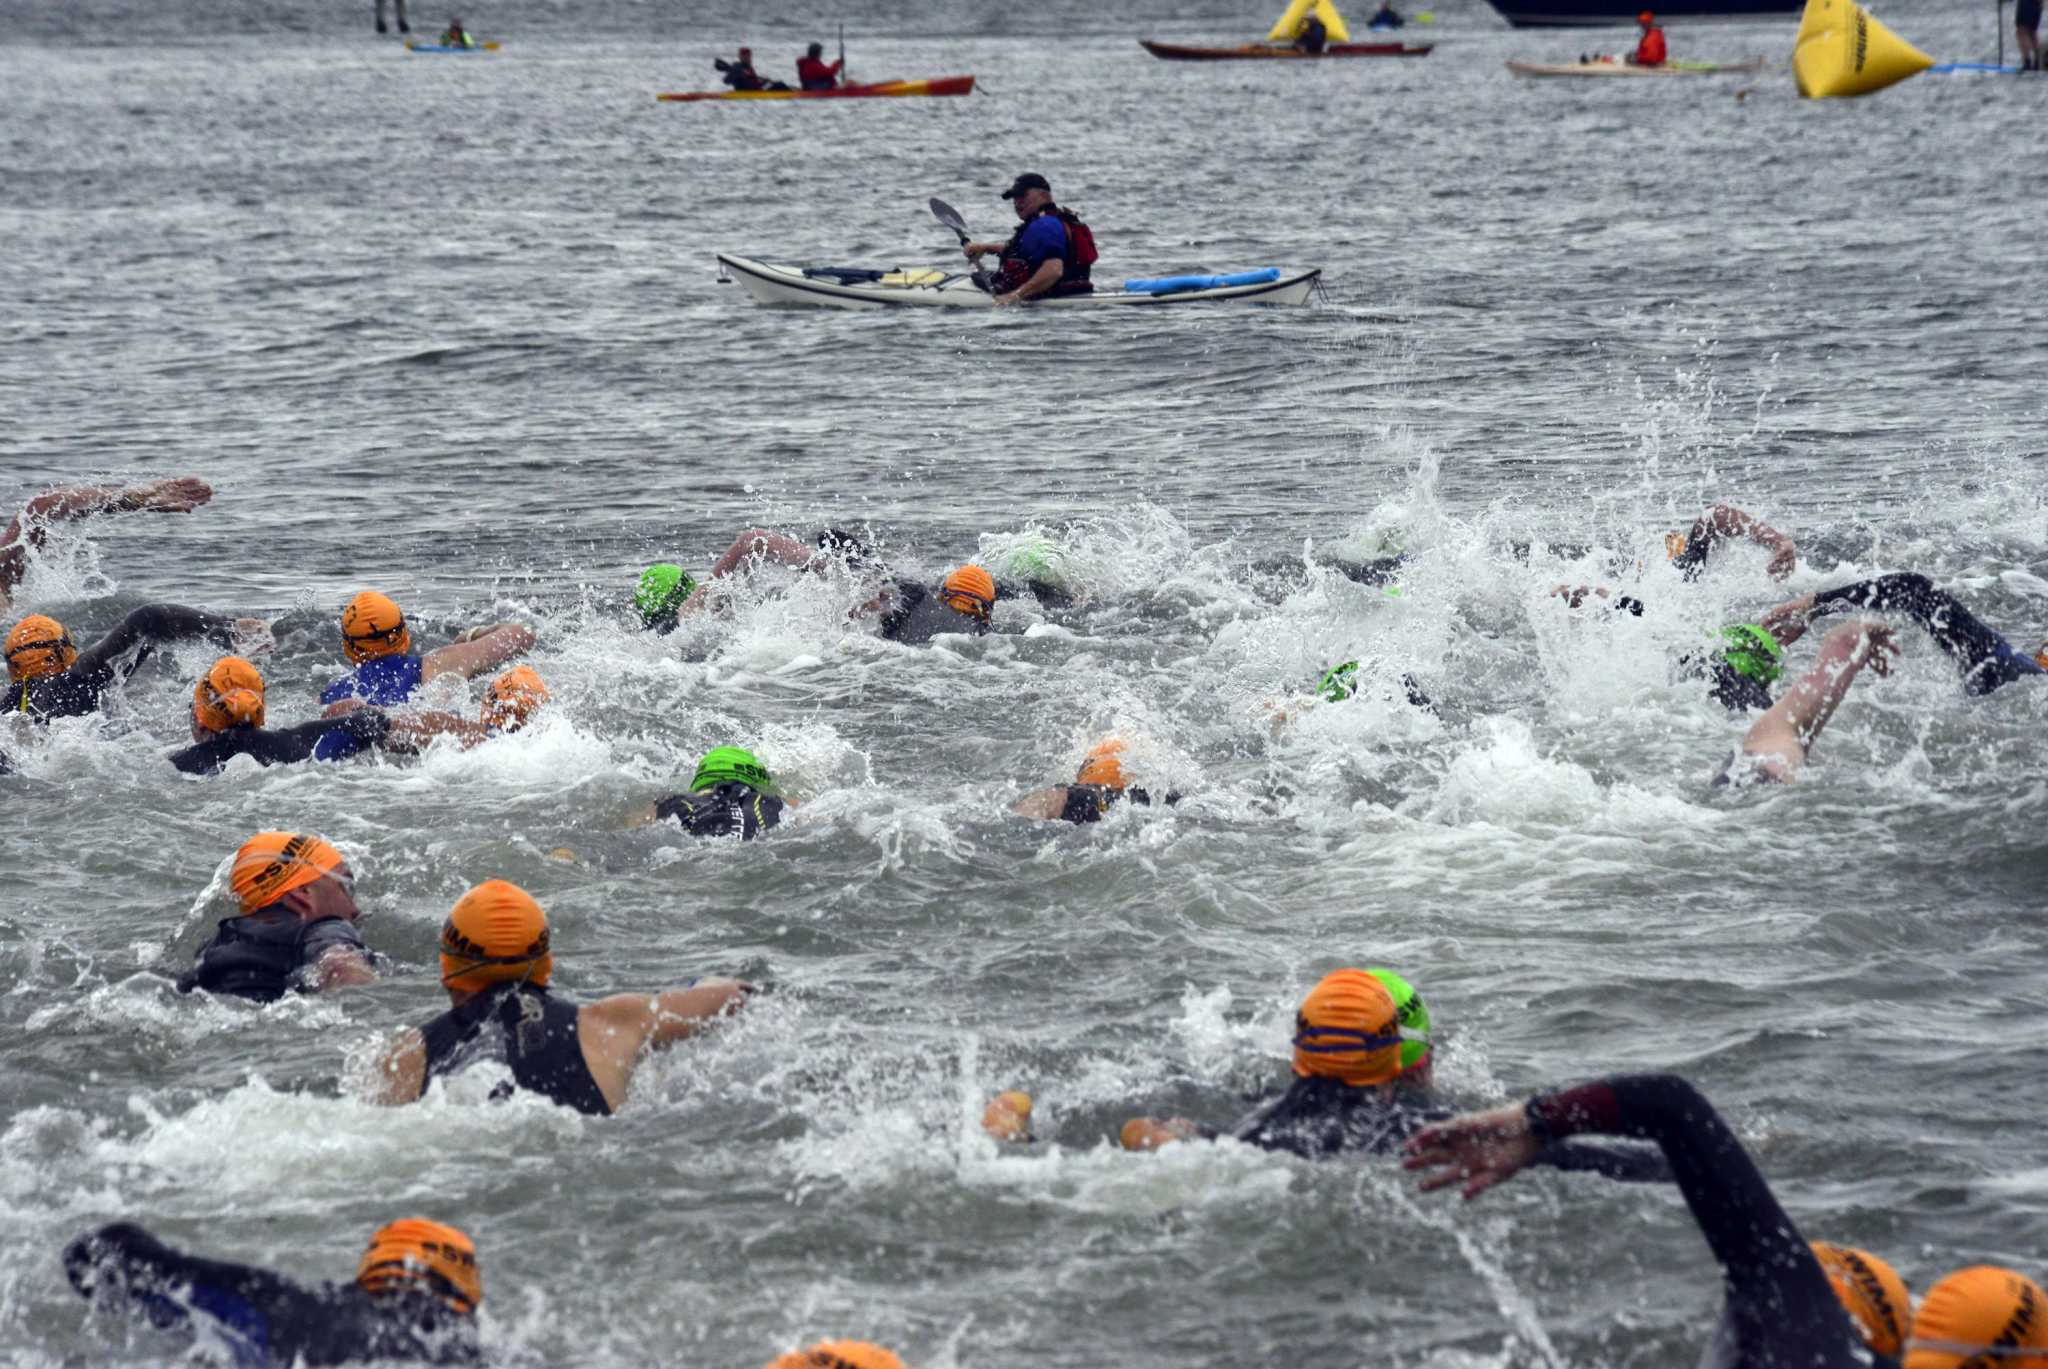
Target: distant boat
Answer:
pixel 1552 14
pixel 1175 52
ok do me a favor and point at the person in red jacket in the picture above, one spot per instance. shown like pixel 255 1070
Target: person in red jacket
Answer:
pixel 813 72
pixel 1650 51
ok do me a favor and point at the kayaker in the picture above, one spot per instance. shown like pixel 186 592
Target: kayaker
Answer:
pixel 456 36
pixel 403 27
pixel 32 524
pixel 1051 254
pixel 1386 18
pixel 813 72
pixel 1650 51
pixel 740 74
pixel 1312 36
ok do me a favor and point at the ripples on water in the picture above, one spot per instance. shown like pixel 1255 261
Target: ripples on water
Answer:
pixel 453 331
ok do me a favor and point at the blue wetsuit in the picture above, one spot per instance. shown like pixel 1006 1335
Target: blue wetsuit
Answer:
pixel 384 681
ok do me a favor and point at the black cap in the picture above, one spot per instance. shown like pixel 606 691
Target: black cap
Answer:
pixel 1030 180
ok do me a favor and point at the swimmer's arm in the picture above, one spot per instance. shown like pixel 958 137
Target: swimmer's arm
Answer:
pixel 342 968
pixel 1725 521
pixel 766 546
pixel 1788 621
pixel 662 1019
pixel 1151 1133
pixel 400 1074
pixel 1044 804
pixel 152 624
pixel 414 732
pixel 476 654
pixel 1779 741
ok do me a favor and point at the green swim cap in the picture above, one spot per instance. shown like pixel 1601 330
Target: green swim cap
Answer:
pixel 1410 1015
pixel 1753 652
pixel 1038 559
pixel 1339 682
pixel 731 763
pixel 663 587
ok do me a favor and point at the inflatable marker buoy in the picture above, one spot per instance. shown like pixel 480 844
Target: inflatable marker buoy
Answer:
pixel 1842 51
pixel 1333 22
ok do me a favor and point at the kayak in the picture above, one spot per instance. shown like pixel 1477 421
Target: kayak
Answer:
pixel 936 85
pixel 1754 64
pixel 411 46
pixel 1174 52
pixel 839 287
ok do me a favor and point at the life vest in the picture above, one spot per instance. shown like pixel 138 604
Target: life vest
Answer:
pixel 1076 261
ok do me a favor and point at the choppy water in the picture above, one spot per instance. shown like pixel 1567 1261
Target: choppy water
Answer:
pixel 451 329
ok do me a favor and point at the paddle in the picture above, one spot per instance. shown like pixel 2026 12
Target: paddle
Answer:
pixel 844 79
pixel 949 216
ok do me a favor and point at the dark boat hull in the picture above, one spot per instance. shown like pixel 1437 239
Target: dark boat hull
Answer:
pixel 1178 52
pixel 1542 14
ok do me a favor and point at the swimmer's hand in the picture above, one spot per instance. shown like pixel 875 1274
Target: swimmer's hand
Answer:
pixel 181 494
pixel 1784 557
pixel 1575 597
pixel 1879 647
pixel 253 637
pixel 1787 622
pixel 1477 1150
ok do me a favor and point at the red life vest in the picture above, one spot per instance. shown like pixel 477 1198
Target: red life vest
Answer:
pixel 1075 262
pixel 1650 52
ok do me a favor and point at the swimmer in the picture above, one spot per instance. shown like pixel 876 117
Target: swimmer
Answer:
pixel 663 590
pixel 28 529
pixel 1777 744
pixel 1098 786
pixel 49 677
pixel 839 1354
pixel 1725 523
pixel 495 964
pixel 732 794
pixel 378 642
pixel 1363 1074
pixel 1986 659
pixel 1338 683
pixel 757 547
pixel 227 721
pixel 510 703
pixel 414 1298
pixel 1782 1306
pixel 964 603
pixel 297 926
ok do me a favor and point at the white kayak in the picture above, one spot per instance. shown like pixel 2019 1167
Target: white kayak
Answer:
pixel 1603 70
pixel 844 288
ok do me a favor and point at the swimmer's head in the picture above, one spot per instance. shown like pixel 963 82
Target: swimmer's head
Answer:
pixel 1039 560
pixel 1983 1318
pixel 1104 765
pixel 229 694
pixel 727 763
pixel 1345 1029
pixel 373 626
pixel 37 646
pixel 969 590
pixel 494 933
pixel 272 864
pixel 839 1354
pixel 1872 1293
pixel 2041 656
pixel 423 1255
pixel 1411 1017
pixel 1339 682
pixel 662 589
pixel 513 698
pixel 1752 652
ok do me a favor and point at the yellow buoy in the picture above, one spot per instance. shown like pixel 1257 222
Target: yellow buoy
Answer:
pixel 1333 22
pixel 1842 51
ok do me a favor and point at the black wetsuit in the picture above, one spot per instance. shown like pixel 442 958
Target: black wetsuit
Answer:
pixel 1781 1312
pixel 266 1318
pixel 112 659
pixel 1986 659
pixel 281 745
pixel 1317 1118
pixel 268 953
pixel 917 616
pixel 1090 802
pixel 527 1029
pixel 728 809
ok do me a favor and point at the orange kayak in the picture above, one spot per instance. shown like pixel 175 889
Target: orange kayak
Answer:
pixel 936 85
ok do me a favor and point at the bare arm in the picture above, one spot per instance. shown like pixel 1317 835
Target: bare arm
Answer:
pixel 416 731
pixel 1045 804
pixel 180 495
pixel 1725 521
pixel 1779 741
pixel 1043 279
pixel 400 1073
pixel 1788 621
pixel 477 654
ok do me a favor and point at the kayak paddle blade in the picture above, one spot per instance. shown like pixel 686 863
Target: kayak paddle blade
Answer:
pixel 949 216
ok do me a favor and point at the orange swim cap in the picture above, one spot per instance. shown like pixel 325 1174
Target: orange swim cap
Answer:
pixel 229 694
pixel 1872 1293
pixel 272 864
pixel 37 646
pixel 970 590
pixel 839 1354
pixel 372 626
pixel 1674 545
pixel 1102 765
pixel 1345 1030
pixel 1980 1318
pixel 513 698
pixel 495 933
pixel 417 1253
